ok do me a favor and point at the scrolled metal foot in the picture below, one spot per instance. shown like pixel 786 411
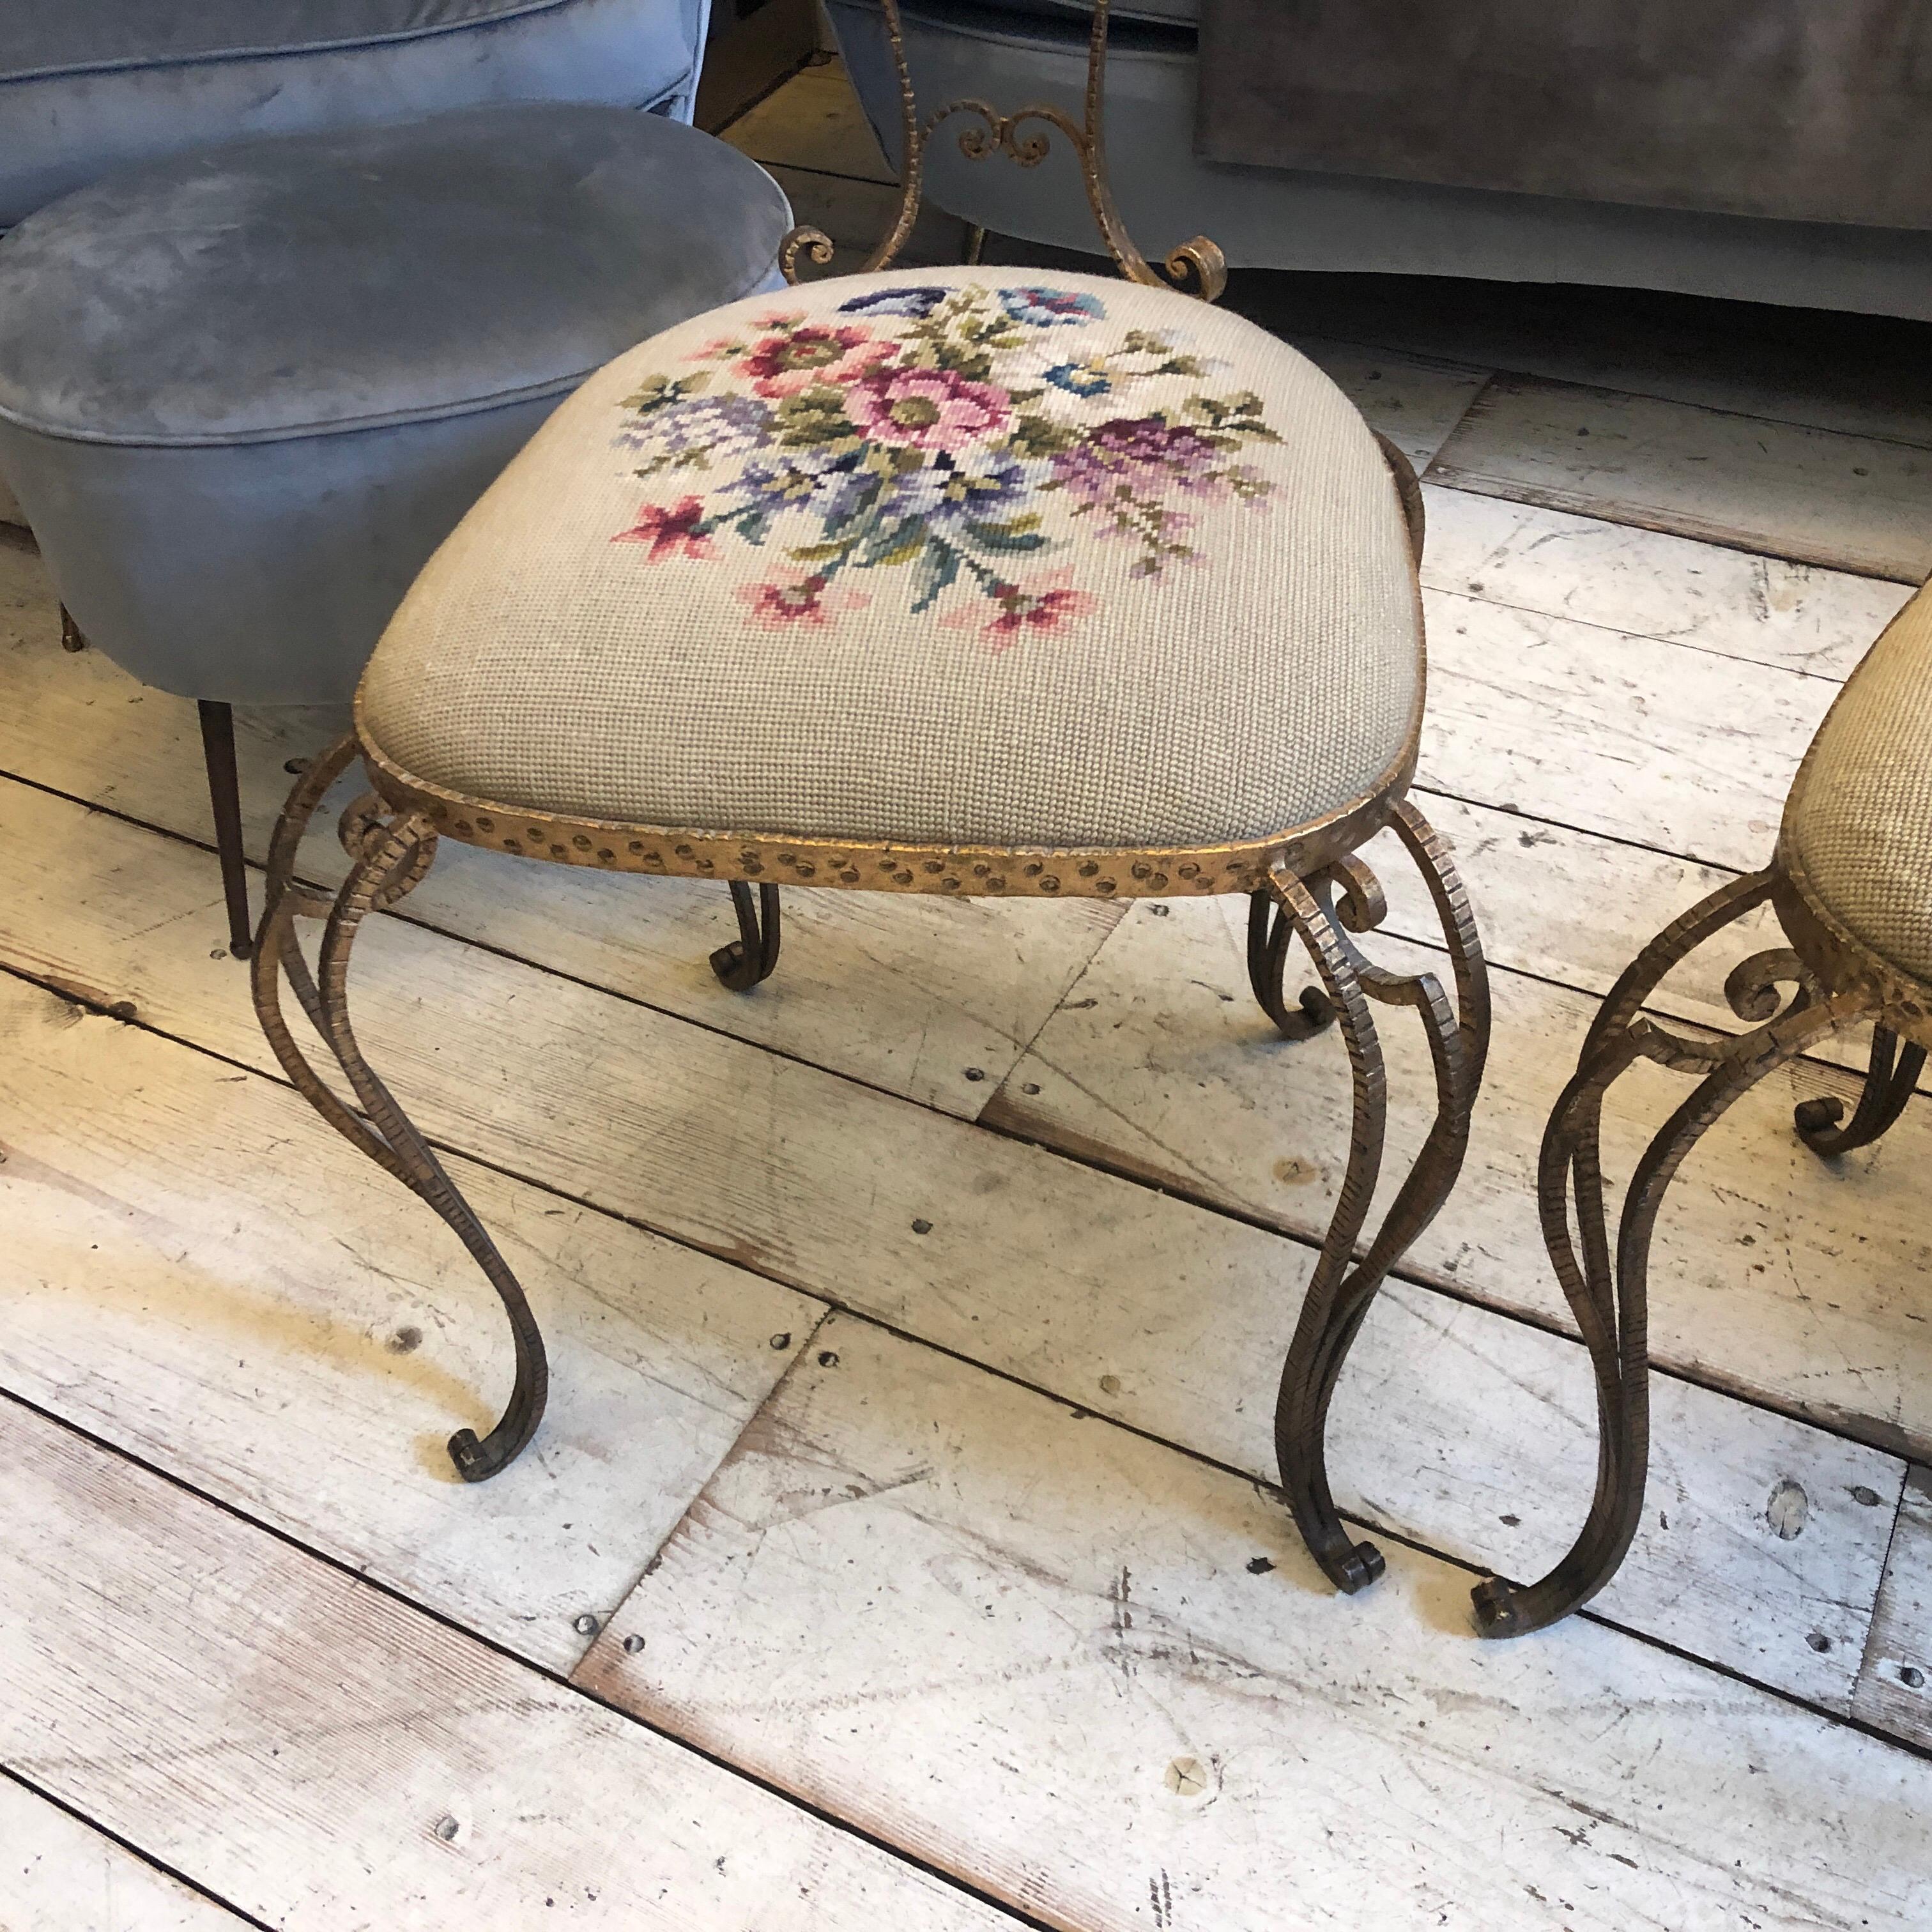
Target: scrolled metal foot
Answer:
pixel 391 858
pixel 1607 1288
pixel 751 956
pixel 1271 934
pixel 1324 911
pixel 1890 1082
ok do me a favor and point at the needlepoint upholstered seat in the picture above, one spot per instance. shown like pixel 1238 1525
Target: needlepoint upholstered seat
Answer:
pixel 965 581
pixel 954 558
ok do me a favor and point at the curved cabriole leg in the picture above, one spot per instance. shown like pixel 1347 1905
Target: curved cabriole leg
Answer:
pixel 1890 1082
pixel 391 859
pixel 1607 1290
pixel 752 954
pixel 1343 1287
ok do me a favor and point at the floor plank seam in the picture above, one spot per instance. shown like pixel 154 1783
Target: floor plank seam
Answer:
pixel 14 1775
pixel 1433 1281
pixel 1077 1412
pixel 365 1580
pixel 1645 636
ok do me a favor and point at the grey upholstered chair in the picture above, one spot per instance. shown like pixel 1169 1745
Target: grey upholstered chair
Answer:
pixel 249 383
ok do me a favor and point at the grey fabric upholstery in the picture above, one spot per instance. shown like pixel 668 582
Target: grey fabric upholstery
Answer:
pixel 244 394
pixel 1284 219
pixel 89 85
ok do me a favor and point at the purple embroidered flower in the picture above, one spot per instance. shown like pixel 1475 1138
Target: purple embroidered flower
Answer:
pixel 709 426
pixel 918 303
pixel 827 484
pixel 1051 308
pixel 1143 456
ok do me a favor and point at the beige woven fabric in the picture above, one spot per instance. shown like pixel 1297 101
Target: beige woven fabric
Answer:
pixel 1859 825
pixel 973 555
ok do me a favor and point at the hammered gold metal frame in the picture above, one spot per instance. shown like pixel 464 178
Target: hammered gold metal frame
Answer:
pixel 1306 885
pixel 1796 996
pixel 1198 261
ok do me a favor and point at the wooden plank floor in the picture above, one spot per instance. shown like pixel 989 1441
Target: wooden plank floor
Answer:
pixel 897 1549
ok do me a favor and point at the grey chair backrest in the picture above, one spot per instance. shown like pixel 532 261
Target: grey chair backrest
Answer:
pixel 89 85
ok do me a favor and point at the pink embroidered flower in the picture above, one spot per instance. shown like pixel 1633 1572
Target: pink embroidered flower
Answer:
pixel 777 606
pixel 1044 605
pixel 805 358
pixel 671 532
pixel 927 408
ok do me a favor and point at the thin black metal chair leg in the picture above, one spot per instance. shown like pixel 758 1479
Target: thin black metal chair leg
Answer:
pixel 753 955
pixel 224 794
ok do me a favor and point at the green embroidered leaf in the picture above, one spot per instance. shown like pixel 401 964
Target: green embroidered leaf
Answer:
pixel 899 544
pixel 938 567
pixel 824 553
pixel 813 419
pixel 1041 435
pixel 659 390
pixel 1022 533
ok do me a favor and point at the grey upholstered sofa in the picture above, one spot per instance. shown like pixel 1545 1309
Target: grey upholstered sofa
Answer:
pixel 87 86
pixel 1029 50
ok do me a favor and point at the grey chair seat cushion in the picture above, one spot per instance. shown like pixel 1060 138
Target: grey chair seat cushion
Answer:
pixel 340 280
pixel 87 86
pixel 244 393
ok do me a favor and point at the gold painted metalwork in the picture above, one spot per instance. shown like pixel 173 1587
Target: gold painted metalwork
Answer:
pixel 1306 885
pixel 1197 262
pixel 964 871
pixel 1833 982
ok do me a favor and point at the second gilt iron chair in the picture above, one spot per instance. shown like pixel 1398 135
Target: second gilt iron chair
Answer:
pixel 958 581
pixel 1850 882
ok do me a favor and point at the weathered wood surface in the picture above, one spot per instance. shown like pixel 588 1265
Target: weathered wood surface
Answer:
pixel 1172 1318
pixel 905 992
pixel 320 1755
pixel 1676 748
pixel 58 1874
pixel 1653 584
pixel 1087 1670
pixel 195 1272
pixel 1798 1282
pixel 1895 1690
pixel 1848 502
pixel 1414 402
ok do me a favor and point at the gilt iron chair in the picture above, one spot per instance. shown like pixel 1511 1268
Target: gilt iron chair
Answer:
pixel 1850 883
pixel 958 581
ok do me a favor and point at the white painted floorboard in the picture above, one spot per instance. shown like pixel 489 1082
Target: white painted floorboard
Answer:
pixel 1169 1317
pixel 58 1874
pixel 196 1269
pixel 1084 1668
pixel 324 1758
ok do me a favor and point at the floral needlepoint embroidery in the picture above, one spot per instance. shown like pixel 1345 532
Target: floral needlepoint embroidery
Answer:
pixel 946 434
pixel 1043 605
pixel 669 532
pixel 778 606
